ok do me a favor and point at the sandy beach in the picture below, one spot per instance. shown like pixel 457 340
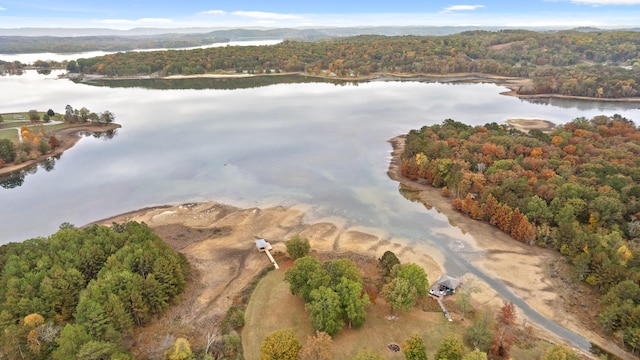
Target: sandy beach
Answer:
pixel 218 240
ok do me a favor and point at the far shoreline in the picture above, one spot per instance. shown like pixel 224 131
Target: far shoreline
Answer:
pixel 512 83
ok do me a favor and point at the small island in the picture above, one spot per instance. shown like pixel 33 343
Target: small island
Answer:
pixel 28 138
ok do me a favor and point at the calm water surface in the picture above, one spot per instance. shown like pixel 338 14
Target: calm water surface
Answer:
pixel 318 144
pixel 31 58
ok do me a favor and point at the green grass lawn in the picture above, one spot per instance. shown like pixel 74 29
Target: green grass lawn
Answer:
pixel 10 134
pixel 272 307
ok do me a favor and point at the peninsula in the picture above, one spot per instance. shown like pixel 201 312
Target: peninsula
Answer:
pixel 27 138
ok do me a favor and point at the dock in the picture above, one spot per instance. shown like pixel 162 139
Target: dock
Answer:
pixel 265 246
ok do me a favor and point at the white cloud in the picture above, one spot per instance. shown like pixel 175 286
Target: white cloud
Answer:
pixel 212 12
pixel 154 20
pixel 606 2
pixel 266 15
pixel 463 7
pixel 135 22
pixel 2 9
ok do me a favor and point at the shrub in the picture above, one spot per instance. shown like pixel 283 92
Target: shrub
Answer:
pixel 298 247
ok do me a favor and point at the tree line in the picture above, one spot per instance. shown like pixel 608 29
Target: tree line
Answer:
pixel 80 293
pixel 575 189
pixel 36 44
pixel 599 63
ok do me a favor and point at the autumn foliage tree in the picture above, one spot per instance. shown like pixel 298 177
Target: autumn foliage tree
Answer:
pixel 180 350
pixel 414 348
pixel 451 348
pixel 504 336
pixel 318 347
pixel 575 188
pixel 280 345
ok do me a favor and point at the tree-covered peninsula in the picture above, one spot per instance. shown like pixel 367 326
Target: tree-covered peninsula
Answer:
pixel 80 293
pixel 575 189
pixel 599 64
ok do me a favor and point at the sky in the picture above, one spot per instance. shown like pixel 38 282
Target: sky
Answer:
pixel 127 14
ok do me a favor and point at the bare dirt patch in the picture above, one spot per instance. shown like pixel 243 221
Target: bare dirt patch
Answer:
pixel 218 241
pixel 525 125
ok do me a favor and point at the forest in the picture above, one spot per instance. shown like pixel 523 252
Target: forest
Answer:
pixel 58 45
pixel 80 293
pixel 601 64
pixel 575 189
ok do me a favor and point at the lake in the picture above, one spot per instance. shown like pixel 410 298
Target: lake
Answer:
pixel 31 58
pixel 321 145
pixel 312 143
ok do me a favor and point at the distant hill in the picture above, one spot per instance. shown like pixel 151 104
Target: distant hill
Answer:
pixel 65 40
pixel 60 40
pixel 327 31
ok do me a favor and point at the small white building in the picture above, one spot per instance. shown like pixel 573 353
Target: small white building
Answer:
pixel 265 246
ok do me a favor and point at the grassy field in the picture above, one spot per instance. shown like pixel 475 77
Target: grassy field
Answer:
pixel 10 134
pixel 272 307
pixel 13 120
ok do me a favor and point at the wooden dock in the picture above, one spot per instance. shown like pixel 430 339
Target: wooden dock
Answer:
pixel 444 309
pixel 265 246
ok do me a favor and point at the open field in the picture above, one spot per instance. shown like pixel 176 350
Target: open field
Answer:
pixel 10 134
pixel 272 307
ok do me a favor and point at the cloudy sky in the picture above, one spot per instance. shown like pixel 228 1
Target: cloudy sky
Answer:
pixel 126 14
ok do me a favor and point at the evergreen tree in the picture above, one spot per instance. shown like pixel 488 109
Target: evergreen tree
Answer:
pixel 387 262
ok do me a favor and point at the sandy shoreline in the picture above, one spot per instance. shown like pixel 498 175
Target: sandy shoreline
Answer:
pixel 218 241
pixel 527 270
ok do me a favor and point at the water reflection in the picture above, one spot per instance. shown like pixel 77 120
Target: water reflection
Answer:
pixel 213 83
pixel 13 181
pixel 584 105
pixel 314 144
pixel 17 178
pixel 11 72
